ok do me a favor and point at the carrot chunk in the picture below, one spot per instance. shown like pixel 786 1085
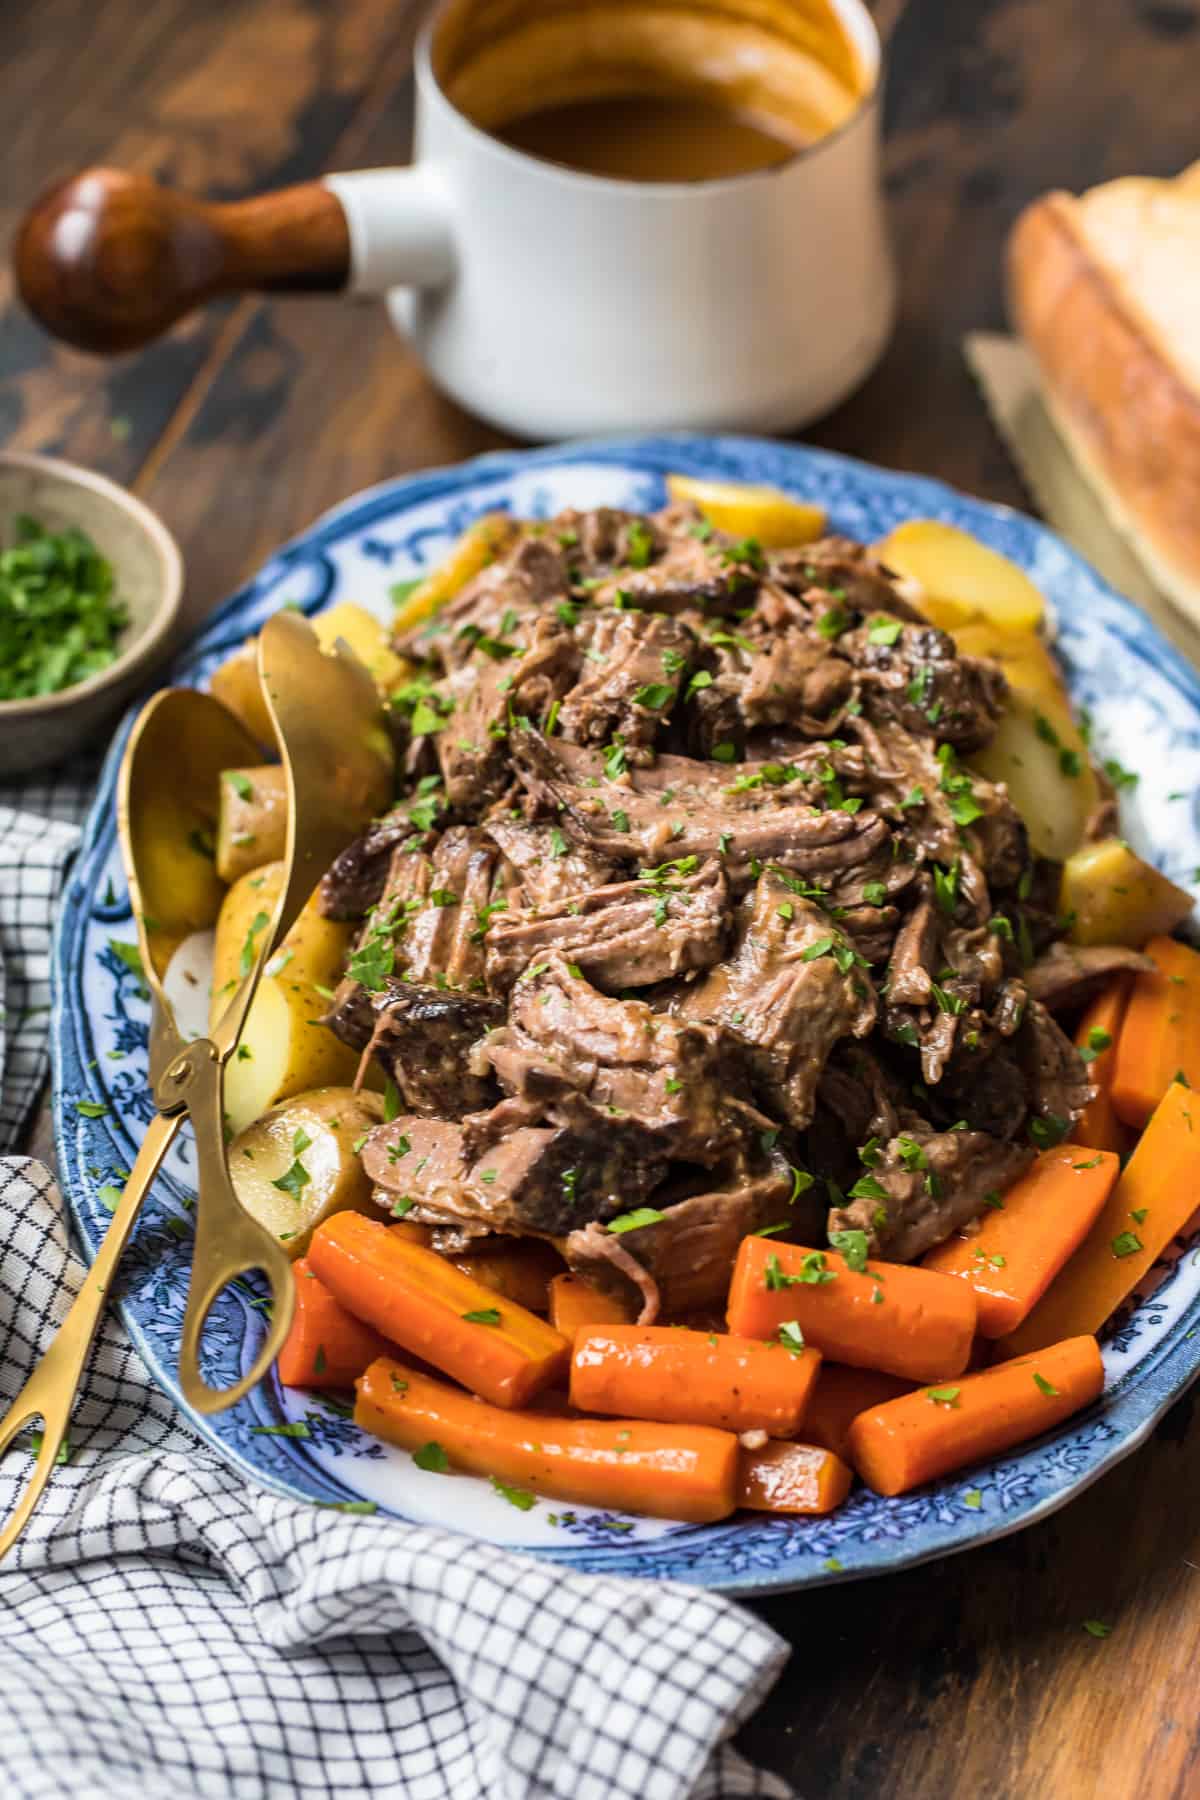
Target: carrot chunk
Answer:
pixel 519 1271
pixel 1153 1200
pixel 906 1321
pixel 430 1308
pixel 1022 1244
pixel 669 1471
pixel 575 1304
pixel 327 1347
pixel 792 1478
pixel 1160 1034
pixel 899 1445
pixel 1097 1036
pixel 838 1397
pixel 694 1377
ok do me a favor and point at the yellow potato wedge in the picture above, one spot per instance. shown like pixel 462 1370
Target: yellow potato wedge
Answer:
pixel 478 546
pixel 283 1049
pixel 774 518
pixel 1038 752
pixel 961 578
pixel 236 685
pixel 252 820
pixel 1116 898
pixel 368 638
pixel 297 1164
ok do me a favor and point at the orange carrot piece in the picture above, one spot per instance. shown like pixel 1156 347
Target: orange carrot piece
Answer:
pixel 1021 1245
pixel 923 1435
pixel 427 1306
pixel 521 1272
pixel 670 1471
pixel 327 1347
pixel 693 1377
pixel 1160 1034
pixel 575 1304
pixel 906 1321
pixel 840 1394
pixel 1153 1200
pixel 1099 1127
pixel 792 1478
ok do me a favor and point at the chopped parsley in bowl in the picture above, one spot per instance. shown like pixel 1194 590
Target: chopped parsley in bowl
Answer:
pixel 60 617
pixel 91 583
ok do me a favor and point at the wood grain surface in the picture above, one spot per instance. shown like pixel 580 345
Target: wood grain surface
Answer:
pixel 972 1676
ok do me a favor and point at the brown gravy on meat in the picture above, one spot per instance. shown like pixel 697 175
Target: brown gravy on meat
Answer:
pixel 638 138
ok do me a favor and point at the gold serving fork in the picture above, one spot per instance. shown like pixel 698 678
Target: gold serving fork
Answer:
pixel 339 765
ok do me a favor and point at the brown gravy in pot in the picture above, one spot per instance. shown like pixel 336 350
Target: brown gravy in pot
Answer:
pixel 650 138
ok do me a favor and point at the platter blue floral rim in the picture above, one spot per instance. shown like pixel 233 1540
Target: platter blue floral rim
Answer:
pixel 1145 706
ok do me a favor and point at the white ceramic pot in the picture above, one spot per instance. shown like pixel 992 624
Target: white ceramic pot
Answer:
pixel 555 303
pixel 550 301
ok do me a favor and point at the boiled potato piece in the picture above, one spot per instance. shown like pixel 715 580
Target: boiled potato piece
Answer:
pixel 1116 898
pixel 236 685
pixel 283 1049
pixel 368 639
pixel 307 1144
pixel 961 578
pixel 774 518
pixel 479 545
pixel 252 819
pixel 1038 752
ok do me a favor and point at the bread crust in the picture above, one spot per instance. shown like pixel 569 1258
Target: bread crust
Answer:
pixel 1135 418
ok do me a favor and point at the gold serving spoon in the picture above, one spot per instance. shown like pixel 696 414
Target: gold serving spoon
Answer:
pixel 339 767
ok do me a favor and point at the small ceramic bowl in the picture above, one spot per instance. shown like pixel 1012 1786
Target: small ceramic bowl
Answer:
pixel 148 578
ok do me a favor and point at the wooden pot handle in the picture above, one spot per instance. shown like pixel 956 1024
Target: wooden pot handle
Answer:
pixel 108 260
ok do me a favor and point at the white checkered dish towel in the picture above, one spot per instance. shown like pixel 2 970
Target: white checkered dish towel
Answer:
pixel 167 1631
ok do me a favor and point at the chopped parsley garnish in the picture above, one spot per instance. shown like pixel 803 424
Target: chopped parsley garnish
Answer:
pixel 884 631
pixel 1127 1243
pixel 791 1337
pixel 851 1246
pixel 943 1396
pixel 246 961
pixel 633 1221
pixel 242 787
pixel 519 1497
pixel 656 696
pixel 431 1456
pixel 1048 1132
pixel 484 1315
pixel 639 544
pixel 1045 1387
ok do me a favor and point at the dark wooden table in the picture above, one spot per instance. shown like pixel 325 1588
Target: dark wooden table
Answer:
pixel 971 1676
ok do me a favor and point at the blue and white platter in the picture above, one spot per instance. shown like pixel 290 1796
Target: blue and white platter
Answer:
pixel 1145 705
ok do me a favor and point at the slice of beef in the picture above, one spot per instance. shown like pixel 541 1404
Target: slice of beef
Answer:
pixel 485 694
pixel 932 1183
pixel 1068 975
pixel 535 1180
pixel 852 572
pixel 932 792
pixel 791 990
pixel 443 941
pixel 797 681
pixel 548 868
pixel 1057 1082
pixel 634 1082
pixel 422 1037
pixel 751 825
pixel 530 575
pixel 357 878
pixel 683 1259
pixel 636 666
pixel 921 683
pixel 629 934
pixel 688 575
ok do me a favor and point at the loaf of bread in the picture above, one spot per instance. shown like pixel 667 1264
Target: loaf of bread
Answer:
pixel 1105 290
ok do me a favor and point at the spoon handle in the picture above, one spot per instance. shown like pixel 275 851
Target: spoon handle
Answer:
pixel 108 259
pixel 229 1242
pixel 49 1394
